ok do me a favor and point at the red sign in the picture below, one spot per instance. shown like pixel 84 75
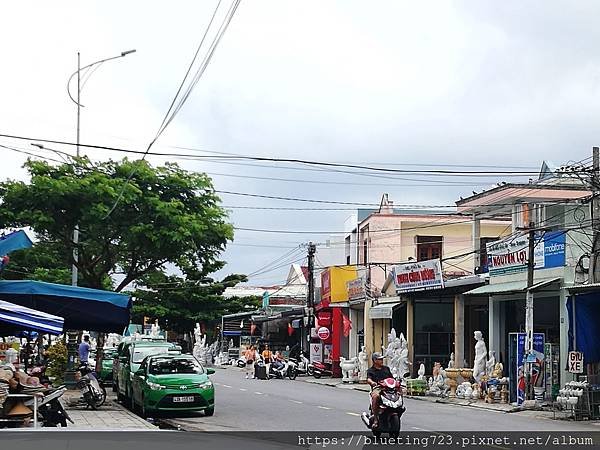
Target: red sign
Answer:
pixel 323 333
pixel 325 286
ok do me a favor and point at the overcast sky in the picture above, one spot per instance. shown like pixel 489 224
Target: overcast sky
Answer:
pixel 386 82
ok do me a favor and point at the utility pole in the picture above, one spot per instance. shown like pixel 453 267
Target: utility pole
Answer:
pixel 74 270
pixel 594 266
pixel 310 301
pixel 529 313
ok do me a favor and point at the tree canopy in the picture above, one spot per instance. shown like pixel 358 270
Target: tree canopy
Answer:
pixel 163 216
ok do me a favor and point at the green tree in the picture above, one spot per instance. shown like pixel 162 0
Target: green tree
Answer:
pixel 163 216
pixel 180 303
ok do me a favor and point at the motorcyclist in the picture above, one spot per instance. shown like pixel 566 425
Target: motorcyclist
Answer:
pixel 278 361
pixel 378 372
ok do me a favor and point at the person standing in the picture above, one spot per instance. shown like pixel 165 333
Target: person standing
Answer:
pixel 84 350
pixel 251 356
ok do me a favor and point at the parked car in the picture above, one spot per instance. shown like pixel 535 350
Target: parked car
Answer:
pixel 122 349
pixel 106 373
pixel 173 383
pixel 129 362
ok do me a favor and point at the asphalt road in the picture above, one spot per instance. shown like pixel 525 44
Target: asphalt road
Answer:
pixel 284 405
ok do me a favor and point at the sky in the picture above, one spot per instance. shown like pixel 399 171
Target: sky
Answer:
pixel 397 84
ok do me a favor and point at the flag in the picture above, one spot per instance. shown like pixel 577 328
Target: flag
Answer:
pixel 290 329
pixel 347 324
pixel 252 328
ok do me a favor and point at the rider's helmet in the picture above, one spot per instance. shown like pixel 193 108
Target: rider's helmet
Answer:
pixel 376 355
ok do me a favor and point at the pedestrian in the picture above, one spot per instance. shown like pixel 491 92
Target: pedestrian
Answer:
pixel 251 356
pixel 267 354
pixel 84 350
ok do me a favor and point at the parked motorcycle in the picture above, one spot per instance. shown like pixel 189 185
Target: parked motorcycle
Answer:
pixel 93 394
pixel 391 407
pixel 303 365
pixel 287 369
pixel 51 412
pixel 319 369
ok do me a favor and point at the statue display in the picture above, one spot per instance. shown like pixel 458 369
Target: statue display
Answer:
pixel 349 368
pixel 201 351
pixel 451 362
pixel 396 354
pixel 498 371
pixel 363 365
pixel 479 366
pixel 438 385
pixel 421 372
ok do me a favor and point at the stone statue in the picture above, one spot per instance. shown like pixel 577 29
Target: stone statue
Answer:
pixel 479 367
pixel 201 351
pixel 451 362
pixel 388 352
pixel 155 329
pixel 438 384
pixel 421 372
pixel 197 333
pixel 491 363
pixel 402 357
pixel 230 343
pixel 349 368
pixel 436 369
pixel 498 372
pixel 363 365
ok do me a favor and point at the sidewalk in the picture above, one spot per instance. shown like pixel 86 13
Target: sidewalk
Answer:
pixel 110 416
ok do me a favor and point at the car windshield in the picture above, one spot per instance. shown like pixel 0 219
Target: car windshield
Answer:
pixel 140 353
pixel 164 366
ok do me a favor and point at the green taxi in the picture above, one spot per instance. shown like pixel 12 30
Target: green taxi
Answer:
pixel 173 383
pixel 106 367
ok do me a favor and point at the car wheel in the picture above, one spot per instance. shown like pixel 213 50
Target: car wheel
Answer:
pixel 209 411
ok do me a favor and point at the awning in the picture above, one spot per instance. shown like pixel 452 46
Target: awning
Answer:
pixel 16 240
pixel 592 287
pixel 81 308
pixel 26 319
pixel 510 287
pixel 384 311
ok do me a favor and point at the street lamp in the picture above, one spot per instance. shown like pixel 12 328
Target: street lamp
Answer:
pixel 74 273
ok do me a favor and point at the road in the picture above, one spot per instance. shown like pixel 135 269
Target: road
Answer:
pixel 284 405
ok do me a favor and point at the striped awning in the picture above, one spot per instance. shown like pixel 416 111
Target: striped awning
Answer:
pixel 27 319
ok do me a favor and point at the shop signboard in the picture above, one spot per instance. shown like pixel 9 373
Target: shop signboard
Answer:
pixel 327 349
pixel 356 289
pixel 538 378
pixel 575 362
pixel 418 276
pixel 510 255
pixel 323 333
pixel 316 352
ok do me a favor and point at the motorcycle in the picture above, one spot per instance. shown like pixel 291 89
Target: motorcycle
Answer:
pixel 50 409
pixel 287 369
pixel 303 365
pixel 92 393
pixel 319 369
pixel 391 407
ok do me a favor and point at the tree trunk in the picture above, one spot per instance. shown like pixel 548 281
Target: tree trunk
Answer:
pixel 100 351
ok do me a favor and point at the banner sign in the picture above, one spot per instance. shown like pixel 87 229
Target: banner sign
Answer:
pixel 575 362
pixel 418 276
pixel 510 255
pixel 356 289
pixel 537 370
pixel 316 352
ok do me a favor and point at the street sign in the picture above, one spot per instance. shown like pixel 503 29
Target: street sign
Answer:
pixel 323 333
pixel 576 362
pixel 316 352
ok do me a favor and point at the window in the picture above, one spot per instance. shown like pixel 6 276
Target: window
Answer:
pixel 165 366
pixel 429 247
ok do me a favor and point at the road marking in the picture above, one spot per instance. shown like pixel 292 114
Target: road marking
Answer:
pixel 226 385
pixel 242 389
pixel 258 393
pixel 419 429
pixel 323 407
pixel 295 401
pixel 353 414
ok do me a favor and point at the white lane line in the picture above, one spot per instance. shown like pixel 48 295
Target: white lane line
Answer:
pixel 242 389
pixel 353 414
pixel 258 393
pixel 295 401
pixel 418 429
pixel 323 407
pixel 226 385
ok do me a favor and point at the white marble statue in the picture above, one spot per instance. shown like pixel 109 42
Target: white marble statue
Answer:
pixel 363 364
pixel 197 334
pixel 201 351
pixel 388 352
pixel 491 364
pixel 451 362
pixel 155 329
pixel 349 368
pixel 421 372
pixel 438 384
pixel 479 366
pixel 403 362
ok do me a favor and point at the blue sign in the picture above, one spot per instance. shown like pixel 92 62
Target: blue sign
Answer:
pixel 554 249
pixel 537 361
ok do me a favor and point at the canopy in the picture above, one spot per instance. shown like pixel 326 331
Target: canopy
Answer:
pixel 14 241
pixel 22 318
pixel 81 308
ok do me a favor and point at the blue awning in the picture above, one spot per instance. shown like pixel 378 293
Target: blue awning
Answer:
pixel 81 308
pixel 14 241
pixel 22 318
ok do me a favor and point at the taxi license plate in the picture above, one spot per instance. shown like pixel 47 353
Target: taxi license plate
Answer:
pixel 183 399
